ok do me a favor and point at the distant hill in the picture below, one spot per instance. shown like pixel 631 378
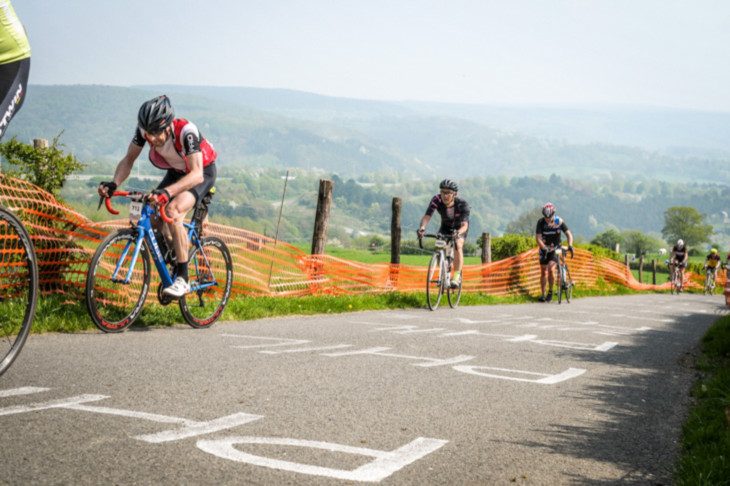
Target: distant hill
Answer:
pixel 262 128
pixel 674 131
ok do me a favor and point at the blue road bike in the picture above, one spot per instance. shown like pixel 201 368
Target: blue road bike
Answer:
pixel 118 278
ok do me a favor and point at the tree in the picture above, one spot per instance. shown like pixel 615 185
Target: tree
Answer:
pixel 608 239
pixel 46 167
pixel 525 224
pixel 640 244
pixel 682 222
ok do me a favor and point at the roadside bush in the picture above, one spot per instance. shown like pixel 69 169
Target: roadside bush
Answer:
pixel 601 251
pixel 510 245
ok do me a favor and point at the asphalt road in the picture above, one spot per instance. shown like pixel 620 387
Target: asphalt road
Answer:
pixel 588 393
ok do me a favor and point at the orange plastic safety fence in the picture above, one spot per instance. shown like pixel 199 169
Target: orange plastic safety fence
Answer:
pixel 65 241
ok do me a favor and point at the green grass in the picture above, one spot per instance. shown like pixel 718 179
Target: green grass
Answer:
pixel 661 277
pixel 367 256
pixel 705 457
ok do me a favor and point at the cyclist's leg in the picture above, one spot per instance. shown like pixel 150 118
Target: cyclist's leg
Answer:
pixel 459 256
pixel 543 255
pixel 552 264
pixel 176 209
pixel 13 87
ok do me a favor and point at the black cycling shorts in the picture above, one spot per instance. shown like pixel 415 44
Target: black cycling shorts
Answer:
pixel 547 256
pixel 13 90
pixel 209 176
pixel 446 230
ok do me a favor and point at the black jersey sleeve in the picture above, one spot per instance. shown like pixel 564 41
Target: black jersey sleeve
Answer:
pixel 433 205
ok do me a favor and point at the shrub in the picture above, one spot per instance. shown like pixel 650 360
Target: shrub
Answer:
pixel 511 245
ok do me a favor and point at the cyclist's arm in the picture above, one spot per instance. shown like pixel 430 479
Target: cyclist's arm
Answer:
pixel 124 168
pixel 569 235
pixel 463 228
pixel 191 179
pixel 540 243
pixel 424 221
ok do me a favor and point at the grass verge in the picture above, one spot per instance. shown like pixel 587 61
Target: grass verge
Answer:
pixel 60 314
pixel 705 457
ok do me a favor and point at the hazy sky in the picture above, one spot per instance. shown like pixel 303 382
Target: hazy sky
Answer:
pixel 650 52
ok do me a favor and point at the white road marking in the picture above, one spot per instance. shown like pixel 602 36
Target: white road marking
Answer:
pixel 27 390
pixel 545 380
pixel 385 464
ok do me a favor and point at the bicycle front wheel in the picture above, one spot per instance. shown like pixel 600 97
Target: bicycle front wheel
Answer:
pixel 114 304
pixel 568 285
pixel 454 294
pixel 434 281
pixel 18 287
pixel 211 278
pixel 561 283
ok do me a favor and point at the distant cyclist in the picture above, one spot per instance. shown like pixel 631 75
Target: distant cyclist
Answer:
pixel 549 237
pixel 713 262
pixel 678 258
pixel 454 212
pixel 14 64
pixel 177 147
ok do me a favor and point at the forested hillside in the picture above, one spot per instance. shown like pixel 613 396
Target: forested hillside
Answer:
pixel 252 200
pixel 355 137
pixel 375 151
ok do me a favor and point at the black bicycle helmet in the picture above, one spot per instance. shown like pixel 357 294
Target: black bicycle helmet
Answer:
pixel 449 184
pixel 155 115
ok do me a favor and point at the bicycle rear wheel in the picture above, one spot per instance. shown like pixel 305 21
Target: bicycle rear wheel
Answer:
pixel 434 281
pixel 18 287
pixel 211 278
pixel 112 304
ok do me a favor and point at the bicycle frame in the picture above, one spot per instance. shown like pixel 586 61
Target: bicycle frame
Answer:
pixel 146 233
pixel 444 254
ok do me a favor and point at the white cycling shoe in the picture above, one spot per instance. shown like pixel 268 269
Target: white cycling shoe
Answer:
pixel 178 288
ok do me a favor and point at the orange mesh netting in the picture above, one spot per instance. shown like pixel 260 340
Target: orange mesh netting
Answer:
pixel 65 241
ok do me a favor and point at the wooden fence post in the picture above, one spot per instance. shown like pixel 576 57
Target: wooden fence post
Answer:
pixel 486 248
pixel 322 217
pixel 395 238
pixel 395 231
pixel 641 269
pixel 628 268
pixel 653 271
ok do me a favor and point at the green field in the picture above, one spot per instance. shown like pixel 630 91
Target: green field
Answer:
pixel 367 256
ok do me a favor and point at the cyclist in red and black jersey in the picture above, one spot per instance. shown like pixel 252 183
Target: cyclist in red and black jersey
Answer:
pixel 176 146
pixel 548 235
pixel 454 212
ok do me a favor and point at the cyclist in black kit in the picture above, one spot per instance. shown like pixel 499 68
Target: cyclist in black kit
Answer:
pixel 678 258
pixel 548 236
pixel 454 212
